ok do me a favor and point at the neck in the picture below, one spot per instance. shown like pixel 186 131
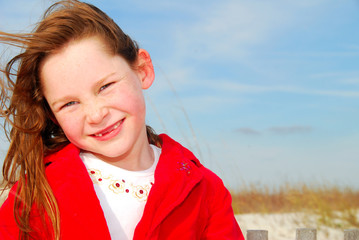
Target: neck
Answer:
pixel 140 157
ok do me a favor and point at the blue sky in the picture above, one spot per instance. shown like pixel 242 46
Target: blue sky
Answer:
pixel 262 91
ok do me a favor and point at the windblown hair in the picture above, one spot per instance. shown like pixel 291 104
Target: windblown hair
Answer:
pixel 34 133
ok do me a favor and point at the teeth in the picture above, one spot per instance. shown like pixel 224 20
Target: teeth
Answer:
pixel 115 127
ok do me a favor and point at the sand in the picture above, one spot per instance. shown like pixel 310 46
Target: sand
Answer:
pixel 280 226
pixel 283 226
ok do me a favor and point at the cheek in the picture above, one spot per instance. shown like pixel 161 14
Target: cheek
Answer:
pixel 131 101
pixel 69 125
pixel 137 108
pixel 137 104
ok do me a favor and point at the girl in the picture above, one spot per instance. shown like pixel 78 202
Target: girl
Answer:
pixel 82 163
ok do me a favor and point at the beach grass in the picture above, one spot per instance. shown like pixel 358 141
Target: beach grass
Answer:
pixel 334 206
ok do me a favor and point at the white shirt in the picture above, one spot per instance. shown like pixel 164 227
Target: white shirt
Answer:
pixel 122 193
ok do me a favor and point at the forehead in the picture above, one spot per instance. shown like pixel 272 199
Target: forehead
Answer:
pixel 72 56
pixel 78 63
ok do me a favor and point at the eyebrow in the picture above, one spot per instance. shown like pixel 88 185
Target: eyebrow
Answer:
pixel 98 84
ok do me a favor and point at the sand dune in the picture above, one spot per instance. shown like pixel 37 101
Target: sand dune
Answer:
pixel 283 226
pixel 280 226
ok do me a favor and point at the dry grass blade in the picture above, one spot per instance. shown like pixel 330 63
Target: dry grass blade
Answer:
pixel 334 206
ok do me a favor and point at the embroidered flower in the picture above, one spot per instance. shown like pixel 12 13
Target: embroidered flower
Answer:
pixel 95 175
pixel 121 186
pixel 184 167
pixel 140 192
pixel 117 186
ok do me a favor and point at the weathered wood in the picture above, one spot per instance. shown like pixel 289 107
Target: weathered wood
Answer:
pixel 257 235
pixel 301 234
pixel 306 234
pixel 351 234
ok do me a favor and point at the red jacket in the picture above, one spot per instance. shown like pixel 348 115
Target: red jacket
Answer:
pixel 187 201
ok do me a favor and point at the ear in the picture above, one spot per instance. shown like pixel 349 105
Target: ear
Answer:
pixel 145 69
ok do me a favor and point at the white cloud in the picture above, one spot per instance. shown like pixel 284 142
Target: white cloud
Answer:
pixel 290 130
pixel 351 81
pixel 280 130
pixel 228 28
pixel 248 131
pixel 233 86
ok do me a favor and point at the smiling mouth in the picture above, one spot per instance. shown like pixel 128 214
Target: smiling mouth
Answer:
pixel 108 130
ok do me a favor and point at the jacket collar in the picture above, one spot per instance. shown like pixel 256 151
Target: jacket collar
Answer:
pixel 79 206
pixel 177 173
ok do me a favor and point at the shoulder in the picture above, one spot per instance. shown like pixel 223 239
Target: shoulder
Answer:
pixel 209 180
pixel 214 188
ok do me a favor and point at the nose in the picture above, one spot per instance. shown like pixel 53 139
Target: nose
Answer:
pixel 95 113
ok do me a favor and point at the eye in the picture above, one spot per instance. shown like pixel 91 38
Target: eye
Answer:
pixel 105 86
pixel 68 104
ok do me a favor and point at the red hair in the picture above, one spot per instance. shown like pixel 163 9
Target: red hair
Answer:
pixel 33 133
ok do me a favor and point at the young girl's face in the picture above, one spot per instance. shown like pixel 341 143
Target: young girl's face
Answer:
pixel 97 98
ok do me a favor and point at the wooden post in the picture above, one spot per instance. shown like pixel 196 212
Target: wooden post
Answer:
pixel 257 235
pixel 306 234
pixel 351 234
